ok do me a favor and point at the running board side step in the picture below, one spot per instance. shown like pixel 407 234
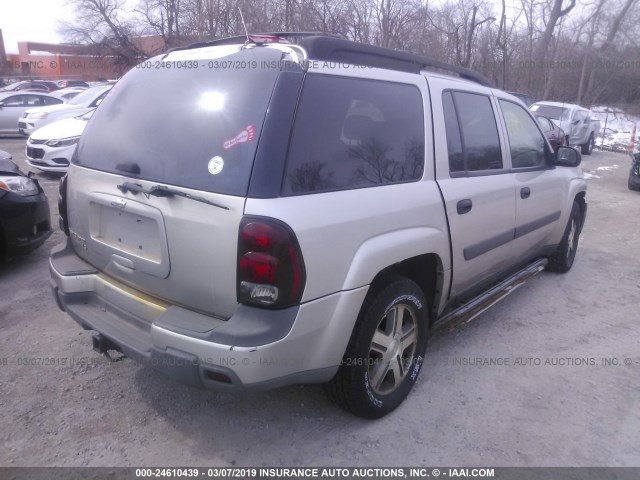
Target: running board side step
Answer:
pixel 482 302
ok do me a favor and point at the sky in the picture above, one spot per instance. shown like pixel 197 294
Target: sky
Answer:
pixel 32 20
pixel 37 20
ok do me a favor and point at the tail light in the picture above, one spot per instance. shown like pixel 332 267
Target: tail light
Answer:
pixel 270 266
pixel 62 206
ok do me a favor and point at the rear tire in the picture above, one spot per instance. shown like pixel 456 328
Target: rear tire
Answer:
pixel 562 259
pixel 587 148
pixel 385 352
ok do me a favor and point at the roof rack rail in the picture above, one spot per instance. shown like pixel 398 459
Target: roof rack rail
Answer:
pixel 332 47
pixel 346 51
pixel 243 38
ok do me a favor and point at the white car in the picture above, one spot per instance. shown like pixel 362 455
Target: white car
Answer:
pixel 50 148
pixel 35 118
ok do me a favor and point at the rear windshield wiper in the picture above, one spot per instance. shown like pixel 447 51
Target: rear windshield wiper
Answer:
pixel 162 191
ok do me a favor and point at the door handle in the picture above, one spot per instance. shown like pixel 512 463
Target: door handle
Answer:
pixel 464 206
pixel 525 192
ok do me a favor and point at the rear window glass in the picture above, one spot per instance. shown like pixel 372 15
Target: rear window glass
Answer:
pixel 551 111
pixel 354 133
pixel 192 124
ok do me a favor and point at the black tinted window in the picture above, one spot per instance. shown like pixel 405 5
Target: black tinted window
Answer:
pixel 477 130
pixel 454 141
pixel 191 127
pixel 526 143
pixel 352 133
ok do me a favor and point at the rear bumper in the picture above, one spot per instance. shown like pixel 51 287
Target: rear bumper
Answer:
pixel 254 349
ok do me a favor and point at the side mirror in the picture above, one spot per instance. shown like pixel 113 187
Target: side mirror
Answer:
pixel 575 122
pixel 567 157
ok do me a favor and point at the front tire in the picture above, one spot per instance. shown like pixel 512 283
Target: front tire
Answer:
pixel 562 259
pixel 385 352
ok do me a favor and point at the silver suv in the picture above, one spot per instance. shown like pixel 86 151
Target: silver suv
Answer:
pixel 252 213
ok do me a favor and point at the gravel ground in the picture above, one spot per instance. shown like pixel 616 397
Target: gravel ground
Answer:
pixel 571 409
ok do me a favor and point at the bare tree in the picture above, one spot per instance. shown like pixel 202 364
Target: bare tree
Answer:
pixel 102 23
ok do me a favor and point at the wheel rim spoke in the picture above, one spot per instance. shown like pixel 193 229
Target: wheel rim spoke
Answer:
pixel 398 318
pixel 381 341
pixel 408 339
pixel 378 373
pixel 398 370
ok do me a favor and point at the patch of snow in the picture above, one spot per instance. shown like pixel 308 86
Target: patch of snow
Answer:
pixel 589 175
pixel 615 128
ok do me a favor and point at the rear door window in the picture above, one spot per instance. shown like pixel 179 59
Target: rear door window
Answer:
pixel 472 132
pixel 51 100
pixel 354 133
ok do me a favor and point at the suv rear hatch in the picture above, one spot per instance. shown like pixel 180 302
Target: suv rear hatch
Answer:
pixel 157 187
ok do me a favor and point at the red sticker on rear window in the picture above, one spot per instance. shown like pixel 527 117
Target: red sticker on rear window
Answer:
pixel 246 135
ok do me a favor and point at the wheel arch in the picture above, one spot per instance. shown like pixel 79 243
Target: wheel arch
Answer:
pixel 425 270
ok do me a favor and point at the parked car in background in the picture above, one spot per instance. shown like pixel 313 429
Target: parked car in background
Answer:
pixel 50 148
pixel 524 97
pixel 67 94
pixel 554 133
pixel 580 128
pixel 35 118
pixel 25 85
pixel 25 222
pixel 634 173
pixel 14 104
pixel 33 86
pixel 72 83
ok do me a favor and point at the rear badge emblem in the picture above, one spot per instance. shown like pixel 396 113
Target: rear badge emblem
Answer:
pixel 216 164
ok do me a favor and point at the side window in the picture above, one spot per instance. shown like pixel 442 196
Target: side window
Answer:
pixel 354 133
pixel 544 124
pixel 580 116
pixel 472 132
pixel 33 100
pixel 98 100
pixel 50 101
pixel 454 141
pixel 15 101
pixel 526 142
